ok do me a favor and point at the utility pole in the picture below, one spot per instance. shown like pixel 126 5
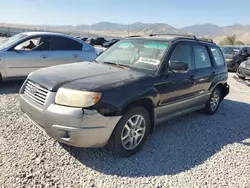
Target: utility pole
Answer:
pixel 128 30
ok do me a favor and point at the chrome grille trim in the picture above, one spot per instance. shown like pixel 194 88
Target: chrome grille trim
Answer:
pixel 36 92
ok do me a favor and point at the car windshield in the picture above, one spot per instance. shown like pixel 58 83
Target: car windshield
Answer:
pixel 140 54
pixel 230 50
pixel 9 41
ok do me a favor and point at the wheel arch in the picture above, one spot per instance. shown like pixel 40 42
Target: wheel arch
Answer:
pixel 224 87
pixel 146 103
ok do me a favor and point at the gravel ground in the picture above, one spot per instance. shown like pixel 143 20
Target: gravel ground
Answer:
pixel 191 151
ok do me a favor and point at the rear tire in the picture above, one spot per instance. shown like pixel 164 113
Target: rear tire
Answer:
pixel 1 80
pixel 213 102
pixel 130 133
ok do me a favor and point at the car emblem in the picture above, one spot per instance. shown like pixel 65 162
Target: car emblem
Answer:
pixel 33 90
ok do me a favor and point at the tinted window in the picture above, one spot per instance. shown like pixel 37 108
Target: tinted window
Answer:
pixel 248 50
pixel 182 54
pixel 244 50
pixel 201 56
pixel 218 57
pixel 230 50
pixel 63 43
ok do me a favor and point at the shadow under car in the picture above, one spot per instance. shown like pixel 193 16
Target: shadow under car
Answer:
pixel 176 145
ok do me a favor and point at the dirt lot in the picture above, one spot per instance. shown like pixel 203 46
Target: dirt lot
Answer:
pixel 191 151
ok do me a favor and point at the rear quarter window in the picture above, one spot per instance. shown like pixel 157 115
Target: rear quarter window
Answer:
pixel 217 55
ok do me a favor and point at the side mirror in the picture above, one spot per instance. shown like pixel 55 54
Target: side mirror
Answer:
pixel 178 66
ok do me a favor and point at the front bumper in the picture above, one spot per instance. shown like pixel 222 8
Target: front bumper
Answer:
pixel 242 72
pixel 72 126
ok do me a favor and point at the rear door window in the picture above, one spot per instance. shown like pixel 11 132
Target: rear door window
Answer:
pixel 63 43
pixel 217 55
pixel 201 56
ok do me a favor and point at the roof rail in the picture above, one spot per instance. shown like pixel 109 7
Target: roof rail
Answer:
pixel 172 34
pixel 182 36
pixel 205 40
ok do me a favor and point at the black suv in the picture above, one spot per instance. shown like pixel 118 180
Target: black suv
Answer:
pixel 235 55
pixel 99 41
pixel 117 100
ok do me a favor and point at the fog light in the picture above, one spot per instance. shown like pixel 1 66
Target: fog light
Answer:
pixel 63 134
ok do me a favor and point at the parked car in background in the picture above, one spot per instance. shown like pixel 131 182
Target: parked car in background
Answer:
pixel 243 71
pixel 99 41
pixel 110 43
pixel 84 39
pixel 26 52
pixel 234 55
pixel 117 100
pixel 90 41
pixel 4 35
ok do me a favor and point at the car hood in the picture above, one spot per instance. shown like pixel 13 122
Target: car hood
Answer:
pixel 83 76
pixel 247 63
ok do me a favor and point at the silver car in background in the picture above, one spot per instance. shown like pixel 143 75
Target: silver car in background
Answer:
pixel 26 52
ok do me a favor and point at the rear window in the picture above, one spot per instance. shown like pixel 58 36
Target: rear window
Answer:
pixel 230 50
pixel 218 57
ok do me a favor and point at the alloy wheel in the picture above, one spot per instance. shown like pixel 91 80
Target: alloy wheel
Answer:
pixel 215 100
pixel 133 132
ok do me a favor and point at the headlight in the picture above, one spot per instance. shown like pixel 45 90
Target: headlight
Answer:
pixel 77 98
pixel 229 59
pixel 243 65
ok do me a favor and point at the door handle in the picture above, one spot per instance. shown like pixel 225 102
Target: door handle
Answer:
pixel 76 55
pixel 191 78
pixel 44 56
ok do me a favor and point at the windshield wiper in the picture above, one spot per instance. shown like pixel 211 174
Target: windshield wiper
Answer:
pixel 118 65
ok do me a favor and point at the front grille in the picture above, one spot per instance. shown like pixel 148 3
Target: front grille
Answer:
pixel 36 92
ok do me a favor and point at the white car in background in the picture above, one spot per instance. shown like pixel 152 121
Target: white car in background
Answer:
pixel 26 52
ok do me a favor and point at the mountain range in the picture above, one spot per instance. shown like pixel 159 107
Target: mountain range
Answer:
pixel 138 28
pixel 201 30
pixel 207 29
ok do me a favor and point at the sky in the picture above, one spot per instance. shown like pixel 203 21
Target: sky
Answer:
pixel 178 13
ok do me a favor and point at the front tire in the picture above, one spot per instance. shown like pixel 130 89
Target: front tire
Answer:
pixel 213 102
pixel 242 77
pixel 236 66
pixel 131 132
